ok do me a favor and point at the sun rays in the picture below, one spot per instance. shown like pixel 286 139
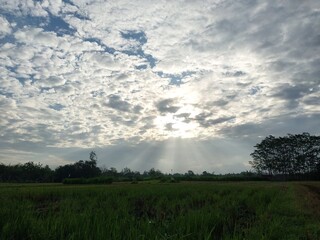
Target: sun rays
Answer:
pixel 170 126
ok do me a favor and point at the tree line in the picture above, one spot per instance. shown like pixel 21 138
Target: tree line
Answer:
pixel 297 154
pixel 87 171
pixel 290 155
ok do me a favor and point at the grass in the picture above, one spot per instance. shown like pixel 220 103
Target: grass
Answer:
pixel 246 210
pixel 97 180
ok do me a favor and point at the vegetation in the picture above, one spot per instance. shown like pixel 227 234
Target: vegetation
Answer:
pixel 157 211
pixel 167 206
pixel 292 157
pixel 28 172
pixel 289 155
pixel 87 172
pixel 80 169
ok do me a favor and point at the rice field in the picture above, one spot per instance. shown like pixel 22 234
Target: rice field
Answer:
pixel 246 210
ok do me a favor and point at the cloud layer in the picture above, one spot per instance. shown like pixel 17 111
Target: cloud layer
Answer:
pixel 95 74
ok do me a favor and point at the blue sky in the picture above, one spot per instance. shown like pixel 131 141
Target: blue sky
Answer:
pixel 169 84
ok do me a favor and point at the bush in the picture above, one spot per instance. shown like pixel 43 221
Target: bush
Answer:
pixel 73 181
pixel 168 180
pixel 134 181
pixel 173 180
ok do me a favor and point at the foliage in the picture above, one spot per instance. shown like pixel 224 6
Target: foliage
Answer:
pixel 292 154
pixel 80 169
pixel 93 157
pixel 168 180
pixel 31 172
pixel 226 177
pixel 28 172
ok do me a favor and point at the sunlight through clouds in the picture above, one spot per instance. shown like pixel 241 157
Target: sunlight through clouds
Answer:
pixel 100 75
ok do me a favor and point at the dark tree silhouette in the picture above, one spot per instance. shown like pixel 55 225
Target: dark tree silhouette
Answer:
pixel 292 154
pixel 93 157
pixel 154 173
pixel 80 169
pixel 190 173
pixel 27 172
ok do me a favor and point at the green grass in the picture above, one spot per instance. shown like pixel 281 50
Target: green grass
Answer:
pixel 254 210
pixel 97 180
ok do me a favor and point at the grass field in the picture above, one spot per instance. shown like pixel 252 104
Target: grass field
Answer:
pixel 247 210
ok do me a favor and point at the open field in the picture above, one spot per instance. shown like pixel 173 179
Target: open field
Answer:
pixel 246 210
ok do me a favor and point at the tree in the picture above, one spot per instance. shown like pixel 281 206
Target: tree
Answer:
pixel 27 172
pixel 154 173
pixel 207 174
pixel 126 172
pixel 62 172
pixel 190 173
pixel 291 154
pixel 80 169
pixel 93 158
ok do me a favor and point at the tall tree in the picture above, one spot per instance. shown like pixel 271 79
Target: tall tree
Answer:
pixel 290 154
pixel 93 158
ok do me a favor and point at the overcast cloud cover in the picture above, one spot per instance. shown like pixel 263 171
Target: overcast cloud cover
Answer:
pixel 167 84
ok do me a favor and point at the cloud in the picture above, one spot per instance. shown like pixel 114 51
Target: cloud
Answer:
pixel 312 101
pixel 115 102
pixel 7 103
pixel 293 94
pixel 52 81
pixel 279 126
pixel 167 106
pixel 36 36
pixel 137 36
pixel 72 75
pixel 209 122
pixel 28 7
pixel 5 28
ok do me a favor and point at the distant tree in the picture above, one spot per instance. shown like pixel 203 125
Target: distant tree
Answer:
pixel 154 173
pixel 136 174
pixel 126 171
pixel 93 157
pixel 113 171
pixel 205 174
pixel 66 171
pixel 80 169
pixel 28 172
pixel 291 154
pixel 190 173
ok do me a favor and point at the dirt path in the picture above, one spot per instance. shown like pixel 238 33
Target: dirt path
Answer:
pixel 310 193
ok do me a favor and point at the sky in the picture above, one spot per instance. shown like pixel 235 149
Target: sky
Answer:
pixel 174 85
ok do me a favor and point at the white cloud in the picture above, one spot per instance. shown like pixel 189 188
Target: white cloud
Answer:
pixel 36 36
pixel 5 27
pixel 224 65
pixel 25 7
pixel 52 81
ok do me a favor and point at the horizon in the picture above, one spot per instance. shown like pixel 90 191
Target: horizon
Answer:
pixel 169 85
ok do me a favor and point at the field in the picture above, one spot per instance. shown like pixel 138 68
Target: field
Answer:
pixel 246 210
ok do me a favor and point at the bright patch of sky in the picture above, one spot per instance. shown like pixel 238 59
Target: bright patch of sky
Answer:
pixel 169 84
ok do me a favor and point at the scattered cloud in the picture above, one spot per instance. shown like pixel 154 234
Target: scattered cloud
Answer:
pixel 88 74
pixel 115 102
pixel 167 106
